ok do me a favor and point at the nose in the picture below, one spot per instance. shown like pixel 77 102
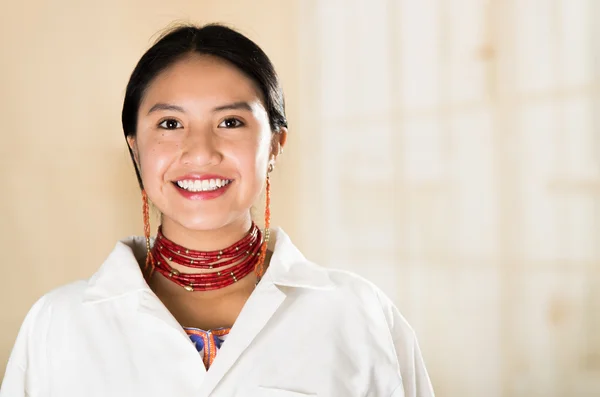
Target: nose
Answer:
pixel 200 147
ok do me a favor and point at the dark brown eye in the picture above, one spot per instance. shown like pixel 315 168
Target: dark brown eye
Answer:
pixel 231 123
pixel 170 124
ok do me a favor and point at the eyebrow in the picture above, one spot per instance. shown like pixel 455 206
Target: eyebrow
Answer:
pixel 166 106
pixel 231 106
pixel 234 106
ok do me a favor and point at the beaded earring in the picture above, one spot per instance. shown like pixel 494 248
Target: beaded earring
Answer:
pixel 149 265
pixel 260 266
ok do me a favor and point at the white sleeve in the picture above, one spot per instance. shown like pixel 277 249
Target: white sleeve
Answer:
pixel 415 379
pixel 18 381
pixel 13 384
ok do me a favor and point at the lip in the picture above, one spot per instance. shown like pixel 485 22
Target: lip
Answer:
pixel 201 177
pixel 208 195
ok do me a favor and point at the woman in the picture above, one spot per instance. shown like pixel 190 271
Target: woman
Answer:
pixel 213 305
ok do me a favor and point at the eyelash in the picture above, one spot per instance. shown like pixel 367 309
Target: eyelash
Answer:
pixel 238 121
pixel 162 124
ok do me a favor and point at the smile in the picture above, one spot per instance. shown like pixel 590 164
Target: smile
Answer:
pixel 206 185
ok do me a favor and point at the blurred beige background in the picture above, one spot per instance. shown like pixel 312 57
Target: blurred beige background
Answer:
pixel 448 150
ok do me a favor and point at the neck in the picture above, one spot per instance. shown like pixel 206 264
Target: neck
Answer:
pixel 206 240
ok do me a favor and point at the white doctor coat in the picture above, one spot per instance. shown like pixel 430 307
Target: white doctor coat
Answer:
pixel 305 331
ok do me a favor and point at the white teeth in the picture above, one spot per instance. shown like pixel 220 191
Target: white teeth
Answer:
pixel 202 186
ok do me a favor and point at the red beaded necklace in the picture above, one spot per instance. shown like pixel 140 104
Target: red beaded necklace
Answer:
pixel 226 266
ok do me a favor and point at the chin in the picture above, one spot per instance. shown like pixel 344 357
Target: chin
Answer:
pixel 213 221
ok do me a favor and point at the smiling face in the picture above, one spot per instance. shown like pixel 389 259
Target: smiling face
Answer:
pixel 203 145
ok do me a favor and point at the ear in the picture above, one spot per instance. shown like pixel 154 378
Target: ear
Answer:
pixel 132 142
pixel 277 143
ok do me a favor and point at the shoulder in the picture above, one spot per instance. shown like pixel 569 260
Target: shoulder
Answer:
pixel 71 292
pixel 361 291
pixel 353 283
pixel 60 300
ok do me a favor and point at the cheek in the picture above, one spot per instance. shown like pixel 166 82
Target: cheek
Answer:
pixel 252 161
pixel 155 158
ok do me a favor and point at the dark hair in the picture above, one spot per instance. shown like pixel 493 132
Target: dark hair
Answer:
pixel 213 39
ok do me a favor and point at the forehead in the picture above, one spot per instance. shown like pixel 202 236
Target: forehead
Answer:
pixel 203 79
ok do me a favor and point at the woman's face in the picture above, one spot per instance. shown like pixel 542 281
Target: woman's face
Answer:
pixel 204 144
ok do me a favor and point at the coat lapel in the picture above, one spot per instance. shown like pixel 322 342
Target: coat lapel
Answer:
pixel 256 313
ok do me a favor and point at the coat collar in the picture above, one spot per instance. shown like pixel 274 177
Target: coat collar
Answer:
pixel 120 274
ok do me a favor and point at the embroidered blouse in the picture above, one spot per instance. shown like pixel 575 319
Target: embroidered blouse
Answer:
pixel 208 343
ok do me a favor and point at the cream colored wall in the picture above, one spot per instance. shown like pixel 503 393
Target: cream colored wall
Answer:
pixel 455 157
pixel 68 188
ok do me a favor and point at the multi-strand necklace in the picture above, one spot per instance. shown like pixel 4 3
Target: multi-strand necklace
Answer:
pixel 219 268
